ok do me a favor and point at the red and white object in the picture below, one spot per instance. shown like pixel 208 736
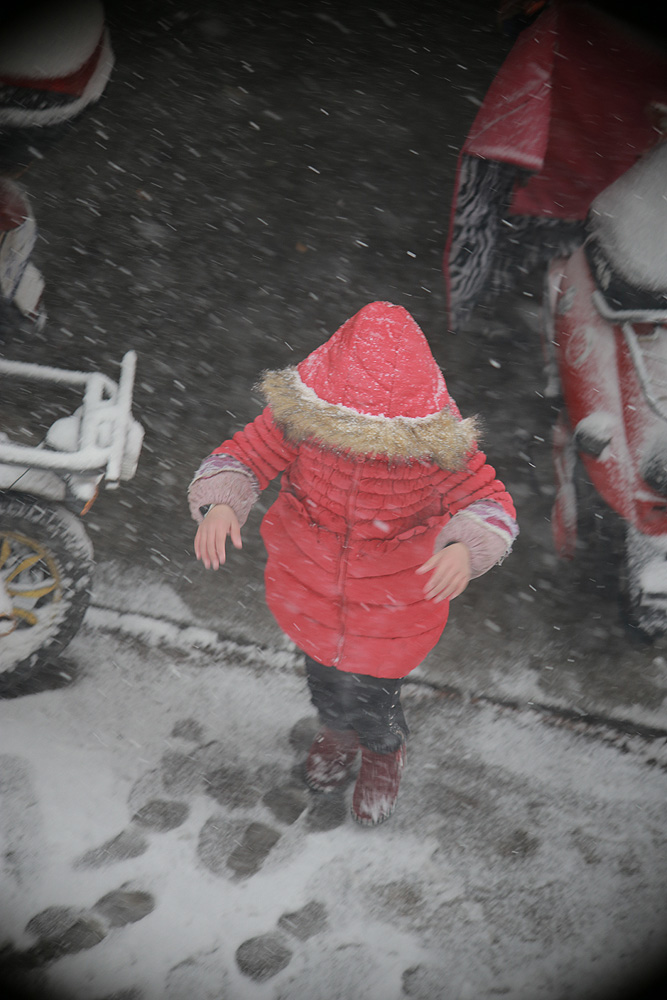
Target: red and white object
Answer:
pixel 376 789
pixel 331 759
pixel 608 319
pixel 376 462
pixel 577 101
pixel 55 60
pixel 20 281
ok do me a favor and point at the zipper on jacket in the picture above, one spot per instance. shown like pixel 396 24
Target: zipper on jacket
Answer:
pixel 345 554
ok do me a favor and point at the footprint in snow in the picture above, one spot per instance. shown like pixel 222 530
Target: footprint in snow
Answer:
pixel 228 844
pixel 65 930
pixel 155 803
pixel 156 815
pixel 262 957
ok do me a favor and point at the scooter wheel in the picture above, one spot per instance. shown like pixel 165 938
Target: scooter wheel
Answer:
pixel 46 565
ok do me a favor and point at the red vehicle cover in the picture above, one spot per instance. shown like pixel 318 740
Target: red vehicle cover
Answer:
pixel 575 103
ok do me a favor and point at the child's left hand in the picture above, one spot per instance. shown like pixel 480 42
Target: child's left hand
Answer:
pixel 452 572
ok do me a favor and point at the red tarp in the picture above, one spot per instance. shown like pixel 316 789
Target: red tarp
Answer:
pixel 571 104
pixel 574 105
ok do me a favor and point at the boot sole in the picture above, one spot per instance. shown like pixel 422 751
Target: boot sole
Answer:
pixel 360 821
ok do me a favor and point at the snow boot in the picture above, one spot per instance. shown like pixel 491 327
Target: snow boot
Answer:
pixel 376 790
pixel 330 759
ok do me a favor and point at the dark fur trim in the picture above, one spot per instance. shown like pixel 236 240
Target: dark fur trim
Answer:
pixel 442 437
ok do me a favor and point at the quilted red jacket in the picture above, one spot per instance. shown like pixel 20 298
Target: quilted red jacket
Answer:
pixel 344 539
pixel 375 460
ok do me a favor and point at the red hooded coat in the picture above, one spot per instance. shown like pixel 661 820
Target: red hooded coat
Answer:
pixel 375 461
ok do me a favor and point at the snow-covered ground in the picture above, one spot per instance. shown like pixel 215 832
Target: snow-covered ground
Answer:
pixel 158 842
pixel 248 182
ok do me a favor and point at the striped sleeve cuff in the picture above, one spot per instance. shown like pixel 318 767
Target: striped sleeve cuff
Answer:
pixel 488 531
pixel 223 479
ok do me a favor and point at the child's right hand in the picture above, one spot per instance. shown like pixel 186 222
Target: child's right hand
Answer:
pixel 212 535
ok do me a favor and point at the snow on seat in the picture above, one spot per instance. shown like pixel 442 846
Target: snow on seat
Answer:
pixel 627 246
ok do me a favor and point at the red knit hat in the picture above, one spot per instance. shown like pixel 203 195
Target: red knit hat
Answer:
pixel 378 363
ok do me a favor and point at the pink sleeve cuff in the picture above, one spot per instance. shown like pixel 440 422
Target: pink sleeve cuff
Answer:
pixel 223 479
pixel 486 529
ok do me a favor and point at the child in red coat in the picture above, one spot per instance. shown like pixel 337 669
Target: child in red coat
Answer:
pixel 387 509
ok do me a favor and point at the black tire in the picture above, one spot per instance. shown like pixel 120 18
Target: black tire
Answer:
pixel 46 566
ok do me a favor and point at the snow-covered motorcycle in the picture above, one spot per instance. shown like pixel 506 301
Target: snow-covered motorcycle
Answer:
pixel 55 62
pixel 46 557
pixel 549 178
pixel 607 331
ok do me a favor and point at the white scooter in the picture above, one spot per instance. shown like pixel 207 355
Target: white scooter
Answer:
pixel 46 557
pixel 54 63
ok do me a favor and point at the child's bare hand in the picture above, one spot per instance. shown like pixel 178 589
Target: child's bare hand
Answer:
pixel 212 535
pixel 451 574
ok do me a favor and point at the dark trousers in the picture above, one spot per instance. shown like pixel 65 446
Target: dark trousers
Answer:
pixel 369 705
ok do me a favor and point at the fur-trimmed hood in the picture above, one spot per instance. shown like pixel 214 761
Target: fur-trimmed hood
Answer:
pixel 441 437
pixel 373 388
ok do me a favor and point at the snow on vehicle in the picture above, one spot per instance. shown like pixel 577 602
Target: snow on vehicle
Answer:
pixel 46 558
pixel 579 98
pixel 21 284
pixel 607 327
pixel 560 130
pixel 55 62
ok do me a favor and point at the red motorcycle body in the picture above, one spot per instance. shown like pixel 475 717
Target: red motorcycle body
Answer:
pixel 617 431
pixel 606 334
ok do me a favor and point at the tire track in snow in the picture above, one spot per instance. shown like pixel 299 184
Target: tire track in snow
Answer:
pixel 157 631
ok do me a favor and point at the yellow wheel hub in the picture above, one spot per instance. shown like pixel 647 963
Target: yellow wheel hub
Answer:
pixel 31 580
